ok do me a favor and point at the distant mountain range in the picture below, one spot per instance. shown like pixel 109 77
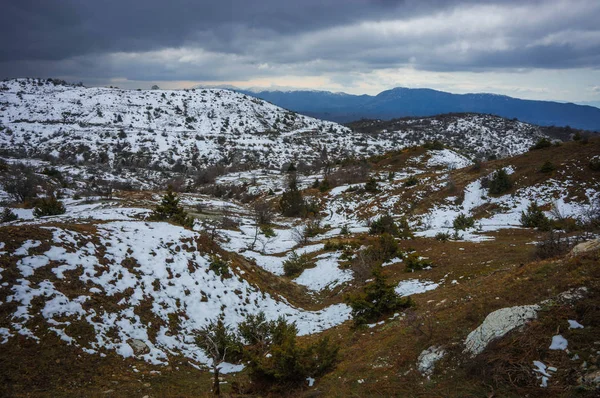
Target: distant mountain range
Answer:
pixel 403 102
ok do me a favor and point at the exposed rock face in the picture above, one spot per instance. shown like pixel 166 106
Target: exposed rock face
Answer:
pixel 586 247
pixel 428 358
pixel 139 347
pixel 497 324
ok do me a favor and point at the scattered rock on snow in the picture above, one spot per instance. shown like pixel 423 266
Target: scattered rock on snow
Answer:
pixel 497 324
pixel 428 358
pixel 139 346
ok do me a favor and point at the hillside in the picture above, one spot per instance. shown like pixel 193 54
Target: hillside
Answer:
pixel 156 128
pixel 104 300
pixel 189 130
pixel 404 102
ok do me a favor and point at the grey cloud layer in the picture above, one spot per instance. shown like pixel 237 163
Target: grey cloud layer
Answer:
pixel 241 39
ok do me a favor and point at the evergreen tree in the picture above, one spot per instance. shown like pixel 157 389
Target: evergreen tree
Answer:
pixel 170 210
pixel 378 298
pixel 220 343
pixel 49 206
pixel 500 182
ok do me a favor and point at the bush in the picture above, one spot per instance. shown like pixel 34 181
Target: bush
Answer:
pixel 404 231
pixel 49 206
pixel 292 203
pixel 219 267
pixel 384 224
pixel 477 165
pixel 434 145
pixel 463 222
pixel 548 167
pixel 294 265
pixel 170 210
pixel 541 144
pixel 313 228
pixel 377 298
pixel 267 231
pixel 371 186
pixel 442 236
pixel 414 262
pixel 554 244
pixel 345 230
pixel 534 217
pixel 500 182
pixel 411 181
pixel 287 362
pixel 388 247
pixel 324 185
pixel 22 185
pixel 8 215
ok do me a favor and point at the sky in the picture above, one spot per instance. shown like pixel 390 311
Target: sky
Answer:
pixel 546 49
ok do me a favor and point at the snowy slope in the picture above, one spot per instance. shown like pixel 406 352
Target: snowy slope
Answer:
pixel 194 128
pixel 133 280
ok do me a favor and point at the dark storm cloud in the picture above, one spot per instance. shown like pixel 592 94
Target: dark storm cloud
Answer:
pixel 242 39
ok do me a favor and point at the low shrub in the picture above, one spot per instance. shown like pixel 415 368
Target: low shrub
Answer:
pixel 414 262
pixel 411 181
pixel 499 183
pixel 376 299
pixel 534 217
pixel 541 144
pixel 548 167
pixel 384 224
pixel 7 215
pixel 595 163
pixel 219 267
pixel 295 264
pixel 49 206
pixel 442 236
pixel 463 222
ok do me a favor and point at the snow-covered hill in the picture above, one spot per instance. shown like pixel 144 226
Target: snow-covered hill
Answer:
pixel 157 127
pixel 476 134
pixel 190 129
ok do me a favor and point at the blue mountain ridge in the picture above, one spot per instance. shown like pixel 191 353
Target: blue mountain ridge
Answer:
pixel 404 102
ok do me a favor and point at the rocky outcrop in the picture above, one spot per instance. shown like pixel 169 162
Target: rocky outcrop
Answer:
pixel 497 324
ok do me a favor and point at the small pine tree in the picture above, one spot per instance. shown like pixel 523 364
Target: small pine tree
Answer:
pixel 534 217
pixel 292 203
pixel 8 215
pixel 548 167
pixel 463 222
pixel 411 181
pixel 170 210
pixel 500 182
pixel 384 224
pixel 220 343
pixel 541 144
pixel 49 206
pixel 371 186
pixel 287 363
pixel 378 298
pixel 294 265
